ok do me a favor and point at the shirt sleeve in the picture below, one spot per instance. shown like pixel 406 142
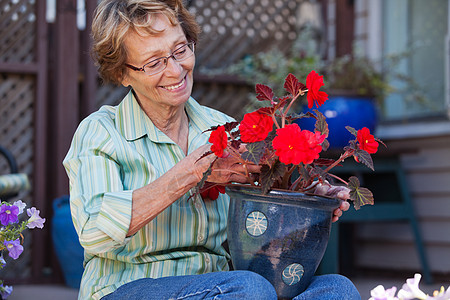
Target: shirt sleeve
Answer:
pixel 101 209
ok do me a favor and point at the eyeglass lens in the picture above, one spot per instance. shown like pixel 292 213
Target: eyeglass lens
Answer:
pixel 160 64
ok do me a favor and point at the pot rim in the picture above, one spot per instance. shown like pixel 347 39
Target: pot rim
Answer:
pixel 284 196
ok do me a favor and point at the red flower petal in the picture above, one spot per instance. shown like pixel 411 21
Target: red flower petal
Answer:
pixel 313 83
pixel 211 191
pixel 255 127
pixel 218 139
pixel 367 141
pixel 294 145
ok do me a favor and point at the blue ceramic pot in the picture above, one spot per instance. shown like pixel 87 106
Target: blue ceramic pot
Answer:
pixel 281 236
pixel 341 111
pixel 68 250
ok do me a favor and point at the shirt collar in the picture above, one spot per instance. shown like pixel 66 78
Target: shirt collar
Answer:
pixel 133 123
pixel 198 116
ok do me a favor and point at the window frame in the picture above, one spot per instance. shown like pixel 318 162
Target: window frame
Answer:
pixel 373 45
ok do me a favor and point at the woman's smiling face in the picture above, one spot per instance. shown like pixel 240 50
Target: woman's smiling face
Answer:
pixel 171 87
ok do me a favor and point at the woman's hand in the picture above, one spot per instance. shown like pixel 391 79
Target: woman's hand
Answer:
pixel 226 169
pixel 340 192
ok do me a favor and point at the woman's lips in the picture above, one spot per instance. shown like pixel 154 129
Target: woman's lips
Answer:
pixel 175 86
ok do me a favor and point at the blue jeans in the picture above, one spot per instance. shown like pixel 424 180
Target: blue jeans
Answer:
pixel 229 285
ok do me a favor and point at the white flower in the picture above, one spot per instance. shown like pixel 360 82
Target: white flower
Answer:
pixel 35 220
pixel 21 205
pixel 441 295
pixel 410 290
pixel 379 293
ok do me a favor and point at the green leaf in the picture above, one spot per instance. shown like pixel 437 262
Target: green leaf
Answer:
pixel 360 195
pixel 270 174
pixel 254 152
pixel 364 157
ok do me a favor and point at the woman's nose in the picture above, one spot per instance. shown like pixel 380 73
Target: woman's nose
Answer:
pixel 174 66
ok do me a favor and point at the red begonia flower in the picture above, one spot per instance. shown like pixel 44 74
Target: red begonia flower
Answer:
pixel 212 191
pixel 218 139
pixel 367 141
pixel 294 145
pixel 255 127
pixel 313 83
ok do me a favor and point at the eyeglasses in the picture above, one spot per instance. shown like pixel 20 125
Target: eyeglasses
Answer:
pixel 159 64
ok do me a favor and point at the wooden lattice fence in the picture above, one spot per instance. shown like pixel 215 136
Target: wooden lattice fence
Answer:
pixel 17 135
pixel 20 84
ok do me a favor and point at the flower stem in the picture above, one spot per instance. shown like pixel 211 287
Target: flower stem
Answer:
pixel 275 121
pixel 347 154
pixel 338 178
pixel 283 116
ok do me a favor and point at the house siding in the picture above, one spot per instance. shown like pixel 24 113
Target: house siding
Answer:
pixel 392 245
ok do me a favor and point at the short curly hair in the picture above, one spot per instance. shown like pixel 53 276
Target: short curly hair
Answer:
pixel 115 18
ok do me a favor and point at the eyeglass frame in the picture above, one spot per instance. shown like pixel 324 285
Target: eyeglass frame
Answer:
pixel 166 59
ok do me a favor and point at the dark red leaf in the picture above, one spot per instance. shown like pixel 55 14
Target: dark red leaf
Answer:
pixel 352 130
pixel 364 157
pixel 281 102
pixel 266 110
pixel 292 85
pixel 254 152
pixel 271 174
pixel 263 92
pixel 324 162
pixel 230 126
pixel 321 123
pixel 360 196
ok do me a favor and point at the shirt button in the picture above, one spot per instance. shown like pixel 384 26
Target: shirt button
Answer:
pixel 200 238
pixel 198 205
pixel 207 260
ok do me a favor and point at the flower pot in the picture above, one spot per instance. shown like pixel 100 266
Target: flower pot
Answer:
pixel 68 250
pixel 281 236
pixel 341 111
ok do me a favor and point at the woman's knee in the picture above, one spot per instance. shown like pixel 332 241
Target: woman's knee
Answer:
pixel 332 286
pixel 253 285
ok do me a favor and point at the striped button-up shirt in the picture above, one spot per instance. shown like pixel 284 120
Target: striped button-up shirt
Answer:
pixel 115 151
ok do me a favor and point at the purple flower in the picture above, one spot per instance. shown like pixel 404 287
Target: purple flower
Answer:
pixel 35 220
pixel 5 291
pixel 8 214
pixel 14 248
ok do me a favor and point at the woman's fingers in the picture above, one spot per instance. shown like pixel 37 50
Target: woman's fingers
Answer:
pixel 337 191
pixel 228 168
pixel 337 213
pixel 344 206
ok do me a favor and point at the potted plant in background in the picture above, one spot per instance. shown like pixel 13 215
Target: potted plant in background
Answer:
pixel 277 227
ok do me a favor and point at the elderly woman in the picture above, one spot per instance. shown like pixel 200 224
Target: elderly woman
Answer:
pixel 132 167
